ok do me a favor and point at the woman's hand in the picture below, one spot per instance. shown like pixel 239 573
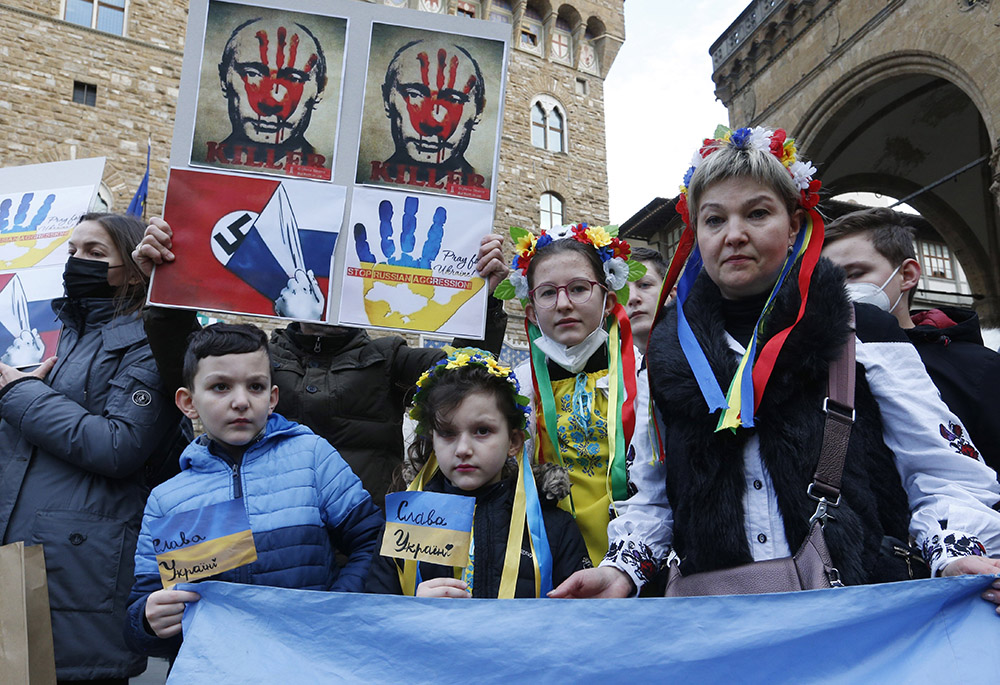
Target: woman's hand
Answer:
pixel 154 248
pixel 165 609
pixel 443 587
pixel 603 582
pixel 489 260
pixel 977 566
pixel 9 374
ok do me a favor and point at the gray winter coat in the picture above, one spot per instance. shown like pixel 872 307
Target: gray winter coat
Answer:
pixel 72 451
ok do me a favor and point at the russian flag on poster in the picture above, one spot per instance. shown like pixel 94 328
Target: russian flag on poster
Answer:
pixel 29 329
pixel 428 526
pixel 203 542
pixel 266 249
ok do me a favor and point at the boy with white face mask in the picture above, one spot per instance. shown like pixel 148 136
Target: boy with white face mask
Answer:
pixel 875 248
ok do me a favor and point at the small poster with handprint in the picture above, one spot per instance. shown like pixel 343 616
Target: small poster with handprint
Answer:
pixel 249 245
pixel 39 206
pixel 411 263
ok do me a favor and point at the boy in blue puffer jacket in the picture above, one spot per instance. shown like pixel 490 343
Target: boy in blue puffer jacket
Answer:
pixel 302 500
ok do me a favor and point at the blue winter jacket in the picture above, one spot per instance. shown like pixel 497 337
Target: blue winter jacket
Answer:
pixel 303 502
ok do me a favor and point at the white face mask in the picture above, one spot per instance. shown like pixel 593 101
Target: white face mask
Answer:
pixel 870 293
pixel 574 358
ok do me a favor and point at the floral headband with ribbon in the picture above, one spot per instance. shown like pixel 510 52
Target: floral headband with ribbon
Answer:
pixel 458 358
pixel 614 253
pixel 746 389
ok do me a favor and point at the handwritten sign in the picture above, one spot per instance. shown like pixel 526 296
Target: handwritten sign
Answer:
pixel 202 542
pixel 428 526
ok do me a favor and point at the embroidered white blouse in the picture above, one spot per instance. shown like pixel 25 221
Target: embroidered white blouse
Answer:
pixel 950 494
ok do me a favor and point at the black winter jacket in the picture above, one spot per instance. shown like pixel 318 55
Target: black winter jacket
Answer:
pixel 491 527
pixel 966 373
pixel 348 388
pixel 705 479
pixel 72 454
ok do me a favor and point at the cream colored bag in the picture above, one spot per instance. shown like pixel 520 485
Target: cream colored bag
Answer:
pixel 26 656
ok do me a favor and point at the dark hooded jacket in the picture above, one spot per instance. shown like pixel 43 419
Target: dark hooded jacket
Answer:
pixel 966 373
pixel 705 479
pixel 72 454
pixel 347 387
pixel 491 527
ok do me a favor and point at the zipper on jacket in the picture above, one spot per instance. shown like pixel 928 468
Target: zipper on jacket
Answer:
pixel 237 484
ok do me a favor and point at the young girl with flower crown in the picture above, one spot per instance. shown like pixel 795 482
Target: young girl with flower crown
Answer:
pixel 469 441
pixel 583 363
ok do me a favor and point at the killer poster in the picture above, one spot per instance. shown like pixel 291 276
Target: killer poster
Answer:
pixel 431 111
pixel 269 91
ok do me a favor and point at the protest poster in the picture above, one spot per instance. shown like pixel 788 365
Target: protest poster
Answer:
pixel 412 263
pixel 239 55
pixel 937 630
pixel 269 91
pixel 432 103
pixel 249 245
pixel 39 206
pixel 428 526
pixel 202 542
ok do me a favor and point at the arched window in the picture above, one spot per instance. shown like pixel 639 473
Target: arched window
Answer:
pixel 548 124
pixel 550 211
pixel 532 31
pixel 562 42
pixel 103 15
pixel 501 11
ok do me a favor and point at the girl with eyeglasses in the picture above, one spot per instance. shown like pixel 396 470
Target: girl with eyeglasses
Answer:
pixel 582 366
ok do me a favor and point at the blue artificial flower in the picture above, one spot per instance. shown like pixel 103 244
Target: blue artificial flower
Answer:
pixel 687 176
pixel 542 241
pixel 740 138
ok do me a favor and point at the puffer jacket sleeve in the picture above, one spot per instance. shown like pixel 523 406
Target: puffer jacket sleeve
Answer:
pixel 114 443
pixel 349 514
pixel 147 581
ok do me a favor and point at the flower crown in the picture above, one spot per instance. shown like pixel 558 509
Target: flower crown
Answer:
pixel 458 358
pixel 614 253
pixel 765 140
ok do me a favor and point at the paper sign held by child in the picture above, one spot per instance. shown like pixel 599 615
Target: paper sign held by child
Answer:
pixel 202 542
pixel 428 526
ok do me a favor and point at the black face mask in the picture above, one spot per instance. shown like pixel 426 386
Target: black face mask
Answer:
pixel 87 278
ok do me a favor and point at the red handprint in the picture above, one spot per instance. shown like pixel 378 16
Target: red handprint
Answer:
pixel 437 113
pixel 276 92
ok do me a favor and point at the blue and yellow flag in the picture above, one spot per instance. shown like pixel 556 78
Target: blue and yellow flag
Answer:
pixel 428 526
pixel 202 542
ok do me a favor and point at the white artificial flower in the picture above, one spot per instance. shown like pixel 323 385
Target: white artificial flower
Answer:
pixel 616 272
pixel 520 283
pixel 560 232
pixel 802 173
pixel 760 138
pixel 697 159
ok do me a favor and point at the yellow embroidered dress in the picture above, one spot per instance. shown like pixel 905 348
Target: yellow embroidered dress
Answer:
pixel 582 426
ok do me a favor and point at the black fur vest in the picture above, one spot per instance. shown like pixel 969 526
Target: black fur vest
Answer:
pixel 705 478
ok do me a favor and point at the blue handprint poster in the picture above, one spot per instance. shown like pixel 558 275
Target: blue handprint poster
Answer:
pixel 39 206
pixel 411 263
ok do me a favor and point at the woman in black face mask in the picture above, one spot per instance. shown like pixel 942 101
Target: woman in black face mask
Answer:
pixel 77 437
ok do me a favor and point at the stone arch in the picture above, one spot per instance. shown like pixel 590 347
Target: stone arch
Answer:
pixel 899 123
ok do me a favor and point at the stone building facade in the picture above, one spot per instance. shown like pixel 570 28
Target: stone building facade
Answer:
pixel 87 78
pixel 898 97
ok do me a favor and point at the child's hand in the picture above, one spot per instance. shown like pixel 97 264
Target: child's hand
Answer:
pixel 443 587
pixel 164 610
